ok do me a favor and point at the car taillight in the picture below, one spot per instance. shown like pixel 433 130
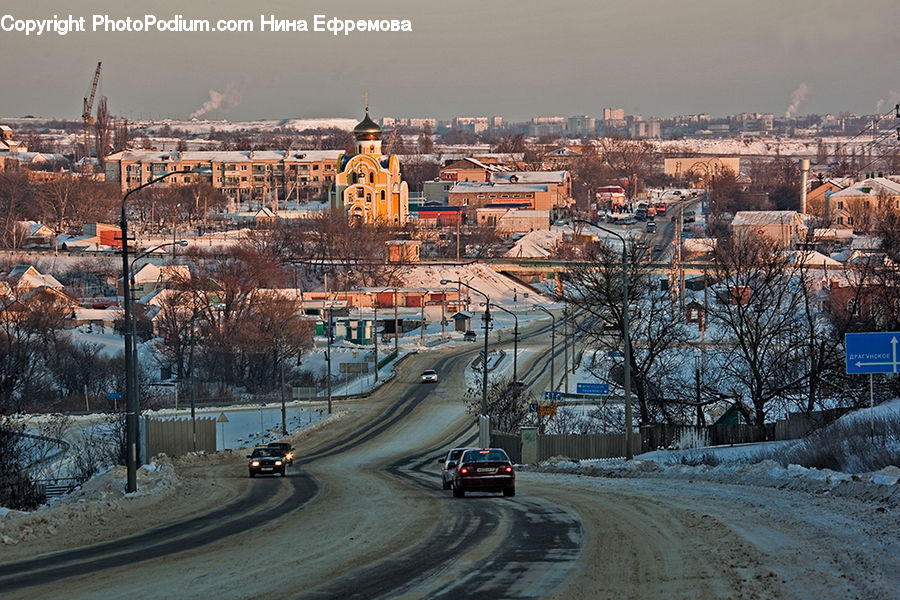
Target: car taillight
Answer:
pixel 463 470
pixel 508 469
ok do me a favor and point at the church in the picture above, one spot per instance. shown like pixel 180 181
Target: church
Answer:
pixel 368 183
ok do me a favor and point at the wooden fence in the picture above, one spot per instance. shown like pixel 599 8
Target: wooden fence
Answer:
pixel 574 446
pixel 174 437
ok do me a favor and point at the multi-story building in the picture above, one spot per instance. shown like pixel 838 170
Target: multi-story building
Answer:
pixel 559 185
pixel 368 183
pixel 785 227
pixel 541 126
pixel 243 176
pixel 581 125
pixel 473 194
pixel 471 124
pixel 613 114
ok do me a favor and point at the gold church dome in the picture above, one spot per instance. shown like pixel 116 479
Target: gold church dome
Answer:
pixel 367 129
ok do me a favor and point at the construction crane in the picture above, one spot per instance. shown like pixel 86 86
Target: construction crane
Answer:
pixel 86 117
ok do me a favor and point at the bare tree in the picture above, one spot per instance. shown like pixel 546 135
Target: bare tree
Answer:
pixel 656 326
pixel 103 132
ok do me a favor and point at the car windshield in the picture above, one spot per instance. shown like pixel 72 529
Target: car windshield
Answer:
pixel 454 454
pixel 259 452
pixel 428 373
pixel 485 456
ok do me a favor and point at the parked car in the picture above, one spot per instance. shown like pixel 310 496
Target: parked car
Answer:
pixel 651 226
pixel 429 376
pixel 470 336
pixel 484 470
pixel 448 465
pixel 266 461
pixel 286 450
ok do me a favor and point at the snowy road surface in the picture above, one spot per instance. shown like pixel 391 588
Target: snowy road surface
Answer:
pixel 363 516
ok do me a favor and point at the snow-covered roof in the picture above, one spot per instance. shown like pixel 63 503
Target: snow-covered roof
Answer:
pixel 529 177
pixel 226 156
pixel 869 188
pixel 764 217
pixel 151 273
pixel 26 276
pixel 468 187
pixel 812 259
pixel 540 243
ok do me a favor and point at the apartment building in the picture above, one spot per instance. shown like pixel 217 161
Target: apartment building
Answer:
pixel 860 205
pixel 243 176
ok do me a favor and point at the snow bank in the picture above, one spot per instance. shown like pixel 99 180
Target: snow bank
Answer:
pixel 100 499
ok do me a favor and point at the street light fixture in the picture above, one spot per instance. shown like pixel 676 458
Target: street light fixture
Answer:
pixel 515 340
pixel 629 454
pixel 487 320
pixel 131 399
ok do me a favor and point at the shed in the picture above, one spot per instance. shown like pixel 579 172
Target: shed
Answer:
pixel 462 321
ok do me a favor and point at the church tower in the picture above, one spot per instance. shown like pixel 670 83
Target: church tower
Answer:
pixel 368 185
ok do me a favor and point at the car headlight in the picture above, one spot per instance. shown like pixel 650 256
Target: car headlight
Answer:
pixel 277 463
pixel 289 455
pixel 255 463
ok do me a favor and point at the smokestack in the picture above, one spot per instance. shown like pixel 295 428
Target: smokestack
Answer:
pixel 804 170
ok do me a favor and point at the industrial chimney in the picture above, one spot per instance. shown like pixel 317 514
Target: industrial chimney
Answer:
pixel 804 170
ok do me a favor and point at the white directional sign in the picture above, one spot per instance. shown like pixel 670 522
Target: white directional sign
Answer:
pixel 874 352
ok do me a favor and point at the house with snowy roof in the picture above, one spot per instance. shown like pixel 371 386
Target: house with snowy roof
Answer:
pixel 559 184
pixel 857 206
pixel 785 227
pixel 150 277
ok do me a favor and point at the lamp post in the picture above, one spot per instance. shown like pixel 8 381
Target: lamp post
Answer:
pixel 487 320
pixel 131 399
pixel 375 331
pixel 552 345
pixel 284 430
pixel 515 340
pixel 629 454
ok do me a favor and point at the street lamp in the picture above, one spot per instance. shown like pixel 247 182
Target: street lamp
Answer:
pixel 629 454
pixel 552 345
pixel 515 340
pixel 131 399
pixel 487 319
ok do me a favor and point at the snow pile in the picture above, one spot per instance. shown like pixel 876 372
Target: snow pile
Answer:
pixel 881 485
pixel 100 499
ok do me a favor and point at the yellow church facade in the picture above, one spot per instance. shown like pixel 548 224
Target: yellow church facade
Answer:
pixel 368 185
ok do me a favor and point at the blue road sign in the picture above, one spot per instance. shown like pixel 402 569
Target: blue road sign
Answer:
pixel 532 407
pixel 874 352
pixel 555 396
pixel 614 354
pixel 596 389
pixel 114 395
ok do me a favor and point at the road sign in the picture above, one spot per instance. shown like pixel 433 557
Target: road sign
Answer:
pixel 114 396
pixel 874 352
pixel 533 407
pixel 548 410
pixel 614 354
pixel 222 418
pixel 555 396
pixel 596 389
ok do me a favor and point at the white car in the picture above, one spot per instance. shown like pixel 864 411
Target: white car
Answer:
pixel 429 376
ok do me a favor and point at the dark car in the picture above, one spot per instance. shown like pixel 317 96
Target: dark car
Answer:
pixel 286 450
pixel 484 470
pixel 266 461
pixel 448 465
pixel 470 336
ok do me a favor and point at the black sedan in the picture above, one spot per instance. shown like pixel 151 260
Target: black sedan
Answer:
pixel 484 470
pixel 266 461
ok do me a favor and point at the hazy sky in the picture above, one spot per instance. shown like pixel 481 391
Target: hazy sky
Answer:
pixel 485 57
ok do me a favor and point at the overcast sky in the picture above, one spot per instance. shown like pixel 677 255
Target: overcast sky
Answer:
pixel 485 57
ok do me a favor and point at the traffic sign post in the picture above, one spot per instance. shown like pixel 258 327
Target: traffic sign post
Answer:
pixel 869 353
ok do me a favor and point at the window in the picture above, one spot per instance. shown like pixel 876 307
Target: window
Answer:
pixel 243 167
pixel 853 307
pixel 360 192
pixel 371 177
pixel 315 167
pixel 480 196
pixel 840 205
pixel 382 195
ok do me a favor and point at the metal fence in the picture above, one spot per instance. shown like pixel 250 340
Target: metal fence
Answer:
pixel 577 447
pixel 174 437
